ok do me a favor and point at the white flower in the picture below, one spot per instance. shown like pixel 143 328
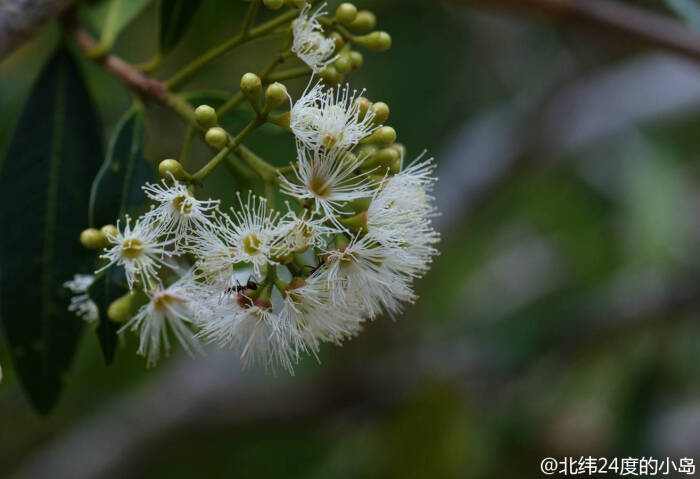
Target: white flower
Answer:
pixel 309 44
pixel 236 321
pixel 168 309
pixel 309 317
pixel 248 237
pixel 178 212
pixel 330 119
pixel 80 303
pixel 368 276
pixel 399 216
pixel 327 177
pixel 297 233
pixel 139 250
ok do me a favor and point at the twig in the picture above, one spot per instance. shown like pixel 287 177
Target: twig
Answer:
pixel 631 23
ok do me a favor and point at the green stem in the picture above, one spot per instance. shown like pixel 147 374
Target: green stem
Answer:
pixel 265 170
pixel 186 143
pixel 232 145
pixel 244 36
pixel 109 32
pixel 232 103
pixel 289 74
pixel 152 64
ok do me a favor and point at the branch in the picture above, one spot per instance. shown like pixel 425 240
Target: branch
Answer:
pixel 21 19
pixel 631 23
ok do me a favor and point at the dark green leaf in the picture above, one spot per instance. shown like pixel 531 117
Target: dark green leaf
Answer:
pixel 107 287
pixel 94 15
pixel 174 18
pixel 117 186
pixel 51 160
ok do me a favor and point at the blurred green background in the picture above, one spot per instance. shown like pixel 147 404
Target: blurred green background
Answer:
pixel 561 318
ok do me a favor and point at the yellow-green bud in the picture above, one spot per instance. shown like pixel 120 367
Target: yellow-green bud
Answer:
pixel 205 116
pixel 356 59
pixel 346 13
pixel 387 156
pixel 295 3
pixel 275 95
pixel 120 309
pixel 216 137
pixel 381 112
pixel 343 64
pixel 92 238
pixel 273 4
pixel 109 230
pixel 377 41
pixel 364 20
pixel 251 85
pixel 400 149
pixel 364 105
pixel 330 75
pixel 338 39
pixel 383 136
pixel 171 167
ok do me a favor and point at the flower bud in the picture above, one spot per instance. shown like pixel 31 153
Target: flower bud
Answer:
pixel 169 167
pixel 251 85
pixel 275 95
pixel 330 75
pixel 364 20
pixel 356 59
pixel 338 39
pixel 273 4
pixel 383 136
pixel 346 13
pixel 295 3
pixel 216 137
pixel 92 238
pixel 109 230
pixel 343 64
pixel 386 157
pixel 283 121
pixel 381 112
pixel 400 149
pixel 377 41
pixel 205 116
pixel 120 309
pixel 364 105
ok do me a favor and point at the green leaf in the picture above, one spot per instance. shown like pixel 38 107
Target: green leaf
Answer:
pixel 117 186
pixel 107 287
pixel 174 18
pixel 94 15
pixel 44 182
pixel 689 10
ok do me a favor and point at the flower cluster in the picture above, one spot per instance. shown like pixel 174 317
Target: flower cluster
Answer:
pixel 274 285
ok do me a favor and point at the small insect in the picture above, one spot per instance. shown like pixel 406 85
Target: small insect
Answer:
pixel 313 269
pixel 239 288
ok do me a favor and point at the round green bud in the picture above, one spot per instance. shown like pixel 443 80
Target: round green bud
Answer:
pixel 92 238
pixel 363 105
pixel 273 4
pixel 250 82
pixel 338 39
pixel 346 13
pixel 216 137
pixel 384 136
pixel 343 64
pixel 356 59
pixel 395 167
pixel 387 156
pixel 364 20
pixel 205 116
pixel 329 74
pixel 381 112
pixel 169 167
pixel 120 309
pixel 400 149
pixel 109 230
pixel 275 95
pixel 377 41
pixel 295 3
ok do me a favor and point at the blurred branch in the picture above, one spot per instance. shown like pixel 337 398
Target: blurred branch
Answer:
pixel 21 19
pixel 632 23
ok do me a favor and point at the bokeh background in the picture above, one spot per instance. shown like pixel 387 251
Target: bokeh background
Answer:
pixel 561 318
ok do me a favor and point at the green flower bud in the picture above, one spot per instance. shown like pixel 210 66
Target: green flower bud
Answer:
pixel 386 157
pixel 283 121
pixel 275 95
pixel 383 136
pixel 346 13
pixel 338 39
pixel 330 75
pixel 343 64
pixel 364 20
pixel 295 3
pixel 109 230
pixel 400 149
pixel 93 238
pixel 171 167
pixel 364 105
pixel 273 4
pixel 216 137
pixel 381 112
pixel 251 85
pixel 377 41
pixel 120 309
pixel 356 59
pixel 205 116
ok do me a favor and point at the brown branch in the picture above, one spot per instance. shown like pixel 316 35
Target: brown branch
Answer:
pixel 631 23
